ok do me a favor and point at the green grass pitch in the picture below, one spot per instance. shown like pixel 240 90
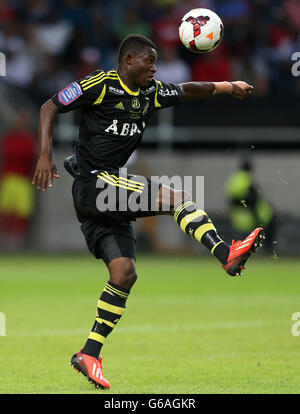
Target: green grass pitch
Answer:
pixel 188 327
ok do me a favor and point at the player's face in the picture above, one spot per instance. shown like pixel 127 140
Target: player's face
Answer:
pixel 143 67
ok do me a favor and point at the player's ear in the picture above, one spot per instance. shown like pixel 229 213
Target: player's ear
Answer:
pixel 129 60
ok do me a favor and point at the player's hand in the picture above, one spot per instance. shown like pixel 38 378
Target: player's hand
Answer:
pixel 241 89
pixel 44 172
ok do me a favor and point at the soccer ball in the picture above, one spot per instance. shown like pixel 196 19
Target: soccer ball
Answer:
pixel 201 30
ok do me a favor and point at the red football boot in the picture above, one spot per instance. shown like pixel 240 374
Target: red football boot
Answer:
pixel 90 367
pixel 241 250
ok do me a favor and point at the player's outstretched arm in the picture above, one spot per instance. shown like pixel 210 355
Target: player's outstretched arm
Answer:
pixel 45 168
pixel 198 90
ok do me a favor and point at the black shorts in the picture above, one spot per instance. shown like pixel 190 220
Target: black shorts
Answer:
pixel 106 204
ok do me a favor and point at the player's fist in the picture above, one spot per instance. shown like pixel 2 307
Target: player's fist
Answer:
pixel 241 89
pixel 44 172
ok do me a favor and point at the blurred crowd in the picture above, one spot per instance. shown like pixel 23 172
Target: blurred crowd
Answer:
pixel 49 43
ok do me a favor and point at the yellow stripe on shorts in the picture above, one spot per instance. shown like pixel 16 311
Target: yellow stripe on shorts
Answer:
pixel 117 183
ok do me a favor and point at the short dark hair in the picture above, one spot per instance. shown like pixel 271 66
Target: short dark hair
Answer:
pixel 134 43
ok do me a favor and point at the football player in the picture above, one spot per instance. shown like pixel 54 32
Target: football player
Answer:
pixel 115 108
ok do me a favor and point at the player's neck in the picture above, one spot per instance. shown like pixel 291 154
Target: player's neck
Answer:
pixel 125 78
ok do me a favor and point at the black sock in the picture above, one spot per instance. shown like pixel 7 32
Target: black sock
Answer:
pixel 111 307
pixel 196 223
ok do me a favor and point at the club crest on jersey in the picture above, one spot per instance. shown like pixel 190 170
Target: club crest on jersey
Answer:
pixel 135 103
pixel 69 94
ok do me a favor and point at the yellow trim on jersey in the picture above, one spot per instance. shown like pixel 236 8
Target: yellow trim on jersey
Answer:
pixel 203 229
pixel 135 93
pixel 98 81
pixel 101 96
pixel 190 217
pixel 100 320
pixel 156 103
pixel 112 74
pixel 85 82
pixel 96 337
pixel 110 308
pixel 93 81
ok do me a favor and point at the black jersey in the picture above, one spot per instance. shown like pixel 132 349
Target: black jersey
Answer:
pixel 113 117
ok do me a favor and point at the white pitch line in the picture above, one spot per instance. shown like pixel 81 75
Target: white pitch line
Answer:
pixel 206 326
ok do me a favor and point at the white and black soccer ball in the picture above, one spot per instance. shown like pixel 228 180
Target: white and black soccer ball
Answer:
pixel 201 30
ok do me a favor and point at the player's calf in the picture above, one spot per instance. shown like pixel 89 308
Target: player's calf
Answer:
pixel 110 308
pixel 196 224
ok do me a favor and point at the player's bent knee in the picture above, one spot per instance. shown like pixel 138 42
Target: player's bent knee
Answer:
pixel 125 280
pixel 179 197
pixel 170 198
pixel 129 275
pixel 122 272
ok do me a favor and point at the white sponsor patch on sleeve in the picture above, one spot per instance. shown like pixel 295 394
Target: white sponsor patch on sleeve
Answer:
pixel 69 94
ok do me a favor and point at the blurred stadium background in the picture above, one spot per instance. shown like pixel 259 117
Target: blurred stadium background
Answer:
pixel 49 43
